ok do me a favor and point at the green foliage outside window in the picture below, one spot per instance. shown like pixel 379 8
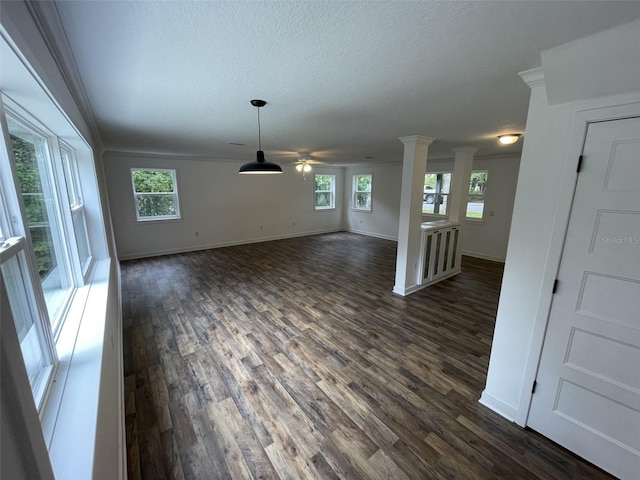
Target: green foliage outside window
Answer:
pixel 364 183
pixel 477 188
pixel 324 191
pixel 33 196
pixel 155 193
pixel 478 183
pixel 362 197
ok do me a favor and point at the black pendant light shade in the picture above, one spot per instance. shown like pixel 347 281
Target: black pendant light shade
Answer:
pixel 260 166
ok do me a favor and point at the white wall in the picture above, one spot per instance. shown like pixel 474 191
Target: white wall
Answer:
pixel 488 238
pixel 384 217
pixel 485 239
pixel 218 206
pixel 552 144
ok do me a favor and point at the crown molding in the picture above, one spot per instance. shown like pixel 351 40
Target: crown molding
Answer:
pixel 533 77
pixel 47 19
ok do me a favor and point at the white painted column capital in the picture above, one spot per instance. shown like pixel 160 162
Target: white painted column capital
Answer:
pixel 417 140
pixel 463 150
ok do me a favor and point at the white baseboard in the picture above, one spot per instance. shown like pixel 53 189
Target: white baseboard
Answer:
pixel 483 256
pixel 195 248
pixel 498 406
pixel 371 234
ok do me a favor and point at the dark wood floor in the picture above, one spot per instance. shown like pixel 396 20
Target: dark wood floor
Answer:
pixel 293 359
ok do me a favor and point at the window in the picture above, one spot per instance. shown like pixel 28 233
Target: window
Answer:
pixel 156 194
pixel 436 193
pixel 37 352
pixel 362 192
pixel 325 197
pixel 44 246
pixel 35 174
pixel 477 187
pixel 76 205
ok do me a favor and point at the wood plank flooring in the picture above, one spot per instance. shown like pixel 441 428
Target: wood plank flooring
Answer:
pixel 292 359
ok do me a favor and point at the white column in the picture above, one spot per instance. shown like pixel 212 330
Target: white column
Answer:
pixel 459 188
pixel 459 192
pixel 414 166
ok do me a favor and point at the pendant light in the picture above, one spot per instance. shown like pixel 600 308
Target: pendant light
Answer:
pixel 260 166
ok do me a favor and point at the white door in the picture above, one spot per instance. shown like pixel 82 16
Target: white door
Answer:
pixel 587 395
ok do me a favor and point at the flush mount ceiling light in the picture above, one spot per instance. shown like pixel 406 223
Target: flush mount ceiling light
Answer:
pixel 509 138
pixel 260 166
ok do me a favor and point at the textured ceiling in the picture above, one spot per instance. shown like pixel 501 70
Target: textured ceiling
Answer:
pixel 343 80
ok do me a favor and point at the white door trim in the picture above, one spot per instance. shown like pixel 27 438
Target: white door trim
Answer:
pixel 560 222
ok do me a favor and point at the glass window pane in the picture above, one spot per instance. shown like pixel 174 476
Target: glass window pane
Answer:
pixel 477 188
pixel 323 199
pixel 80 231
pixel 436 193
pixel 156 205
pixel 155 193
pixel 152 181
pixel 21 303
pixel 325 192
pixel 362 192
pixel 39 201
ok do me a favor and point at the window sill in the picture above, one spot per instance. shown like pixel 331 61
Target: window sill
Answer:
pixel 159 220
pixel 69 417
pixel 431 217
pixel 475 221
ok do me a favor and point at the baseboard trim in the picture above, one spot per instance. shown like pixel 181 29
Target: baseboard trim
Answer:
pixel 483 256
pixel 501 408
pixel 371 234
pixel 195 248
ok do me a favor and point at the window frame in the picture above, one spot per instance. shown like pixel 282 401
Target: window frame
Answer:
pixel 438 195
pixel 354 197
pixel 60 221
pixel 331 191
pixel 483 195
pixel 153 218
pixel 76 207
pixel 64 204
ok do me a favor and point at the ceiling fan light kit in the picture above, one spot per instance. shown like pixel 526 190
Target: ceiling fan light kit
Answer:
pixel 261 166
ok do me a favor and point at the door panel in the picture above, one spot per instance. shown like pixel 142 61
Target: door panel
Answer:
pixel 588 384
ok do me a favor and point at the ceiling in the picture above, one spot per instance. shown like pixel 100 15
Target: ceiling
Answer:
pixel 343 79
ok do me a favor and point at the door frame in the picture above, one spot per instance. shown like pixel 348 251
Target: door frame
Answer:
pixel 560 223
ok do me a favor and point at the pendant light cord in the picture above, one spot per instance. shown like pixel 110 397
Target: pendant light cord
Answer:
pixel 259 140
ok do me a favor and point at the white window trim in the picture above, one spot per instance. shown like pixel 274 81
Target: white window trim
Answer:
pixel 332 191
pixel 74 449
pixel 156 218
pixel 482 219
pixel 354 184
pixel 439 216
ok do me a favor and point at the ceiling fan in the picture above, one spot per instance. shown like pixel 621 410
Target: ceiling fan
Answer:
pixel 304 161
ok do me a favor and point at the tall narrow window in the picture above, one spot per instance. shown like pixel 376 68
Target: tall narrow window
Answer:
pixel 435 197
pixel 37 354
pixel 76 205
pixel 362 192
pixel 325 198
pixel 156 194
pixel 477 189
pixel 35 175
